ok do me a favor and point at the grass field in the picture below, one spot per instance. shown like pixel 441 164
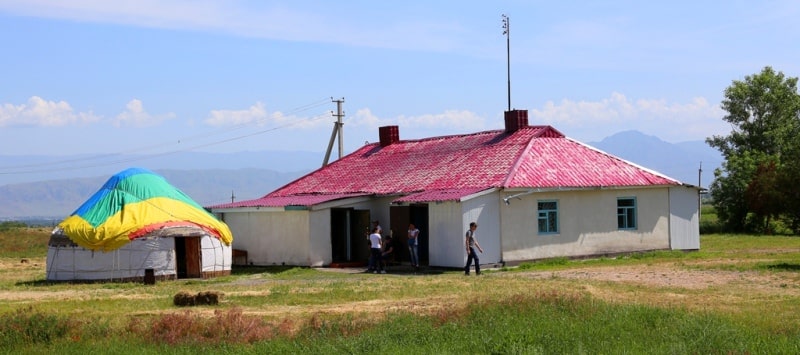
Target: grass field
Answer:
pixel 738 294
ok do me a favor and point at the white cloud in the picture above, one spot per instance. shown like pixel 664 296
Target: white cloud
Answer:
pixel 136 116
pixel 255 113
pixel 593 120
pixel 450 119
pixel 39 112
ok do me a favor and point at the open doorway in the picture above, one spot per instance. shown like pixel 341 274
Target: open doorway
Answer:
pixel 401 217
pixel 349 230
pixel 187 257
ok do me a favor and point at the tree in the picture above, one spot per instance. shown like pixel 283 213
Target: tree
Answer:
pixel 764 113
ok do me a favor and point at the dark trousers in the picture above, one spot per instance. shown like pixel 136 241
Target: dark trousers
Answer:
pixel 472 256
pixel 374 258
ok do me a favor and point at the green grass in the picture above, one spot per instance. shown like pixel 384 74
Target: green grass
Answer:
pixel 505 311
pixel 544 323
pixel 21 242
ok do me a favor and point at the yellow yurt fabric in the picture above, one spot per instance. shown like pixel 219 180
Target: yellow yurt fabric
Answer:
pixel 133 203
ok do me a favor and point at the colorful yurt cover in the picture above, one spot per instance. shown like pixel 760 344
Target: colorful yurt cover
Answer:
pixel 132 204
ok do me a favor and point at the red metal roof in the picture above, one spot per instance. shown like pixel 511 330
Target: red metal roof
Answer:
pixel 450 167
pixel 282 201
pixel 439 195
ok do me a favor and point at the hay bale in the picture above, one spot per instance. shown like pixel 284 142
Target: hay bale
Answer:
pixel 183 299
pixel 208 297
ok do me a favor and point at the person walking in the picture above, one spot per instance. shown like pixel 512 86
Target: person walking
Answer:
pixel 413 245
pixel 471 243
pixel 375 250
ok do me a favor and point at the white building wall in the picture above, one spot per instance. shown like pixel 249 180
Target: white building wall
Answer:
pixel 446 235
pixel 684 221
pixel 271 237
pixel 587 224
pixel 483 210
pixel 320 252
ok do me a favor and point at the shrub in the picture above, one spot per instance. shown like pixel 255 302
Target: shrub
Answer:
pixel 231 327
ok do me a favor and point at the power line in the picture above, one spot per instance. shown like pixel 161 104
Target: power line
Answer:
pixel 53 166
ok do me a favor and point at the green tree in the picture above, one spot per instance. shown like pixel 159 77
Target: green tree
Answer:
pixel 764 113
pixel 787 181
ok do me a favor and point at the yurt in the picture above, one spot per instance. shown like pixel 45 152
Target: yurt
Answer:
pixel 139 227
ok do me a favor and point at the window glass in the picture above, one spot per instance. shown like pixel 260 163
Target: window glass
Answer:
pixel 548 216
pixel 626 213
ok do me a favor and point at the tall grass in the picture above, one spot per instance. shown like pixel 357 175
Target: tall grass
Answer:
pixel 303 310
pixel 537 323
pixel 18 241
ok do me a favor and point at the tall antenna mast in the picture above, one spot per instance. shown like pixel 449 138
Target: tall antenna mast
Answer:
pixel 507 32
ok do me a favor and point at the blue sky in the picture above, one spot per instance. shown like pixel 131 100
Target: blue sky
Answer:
pixel 147 76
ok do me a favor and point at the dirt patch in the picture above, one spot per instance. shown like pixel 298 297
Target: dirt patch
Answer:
pixel 675 276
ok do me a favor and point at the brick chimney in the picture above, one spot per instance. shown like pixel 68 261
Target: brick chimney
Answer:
pixel 516 119
pixel 389 135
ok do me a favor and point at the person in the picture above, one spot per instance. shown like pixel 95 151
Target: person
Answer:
pixel 413 245
pixel 386 254
pixel 375 250
pixel 376 224
pixel 471 243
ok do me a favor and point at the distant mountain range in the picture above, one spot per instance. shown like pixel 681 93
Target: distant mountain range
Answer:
pixel 58 198
pixel 212 178
pixel 681 161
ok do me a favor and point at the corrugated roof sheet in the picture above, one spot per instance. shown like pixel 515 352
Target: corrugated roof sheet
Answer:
pixel 439 195
pixel 450 167
pixel 295 200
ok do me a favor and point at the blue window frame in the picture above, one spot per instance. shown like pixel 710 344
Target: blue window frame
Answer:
pixel 548 216
pixel 626 213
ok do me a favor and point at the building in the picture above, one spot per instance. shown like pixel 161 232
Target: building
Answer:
pixel 534 192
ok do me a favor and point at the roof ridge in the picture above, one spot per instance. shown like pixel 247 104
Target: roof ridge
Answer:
pixel 518 161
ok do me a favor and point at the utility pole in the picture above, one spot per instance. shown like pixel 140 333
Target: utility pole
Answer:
pixel 699 190
pixel 232 197
pixel 337 130
pixel 507 32
pixel 700 175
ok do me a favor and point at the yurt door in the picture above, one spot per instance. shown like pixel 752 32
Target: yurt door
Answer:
pixel 188 257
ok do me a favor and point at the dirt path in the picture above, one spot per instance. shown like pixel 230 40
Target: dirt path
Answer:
pixel 659 275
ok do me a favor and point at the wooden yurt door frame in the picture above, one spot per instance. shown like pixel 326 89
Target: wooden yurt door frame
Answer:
pixel 188 257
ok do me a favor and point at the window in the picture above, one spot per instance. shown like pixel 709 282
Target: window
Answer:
pixel 626 213
pixel 548 216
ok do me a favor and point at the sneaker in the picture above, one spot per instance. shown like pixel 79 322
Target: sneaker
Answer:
pixel 383 271
pixel 375 272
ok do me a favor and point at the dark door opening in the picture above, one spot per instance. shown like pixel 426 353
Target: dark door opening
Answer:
pixel 348 238
pixel 187 257
pixel 401 217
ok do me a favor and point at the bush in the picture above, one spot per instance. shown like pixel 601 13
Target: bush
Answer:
pixel 231 327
